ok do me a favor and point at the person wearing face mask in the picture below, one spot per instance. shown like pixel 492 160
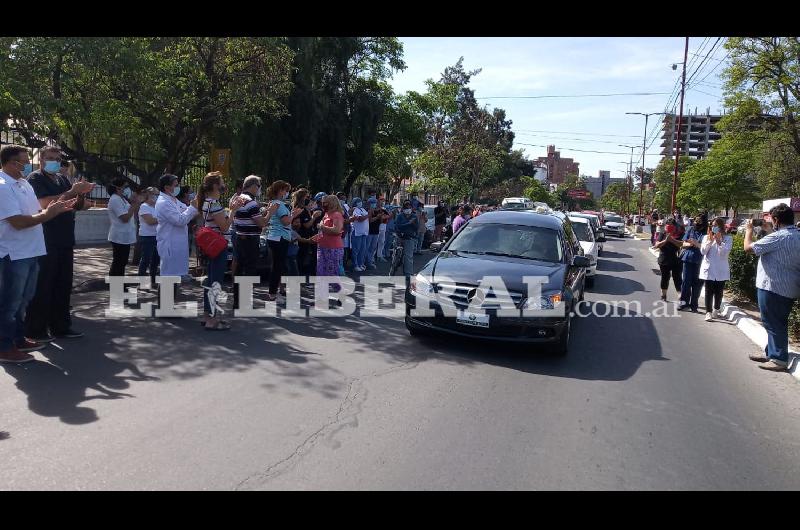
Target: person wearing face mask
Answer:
pixel 122 209
pixel 692 258
pixel 406 226
pixel 147 235
pixel 308 217
pixel 358 240
pixel 714 269
pixel 328 238
pixel 213 216
pixel 279 235
pixel 173 218
pixel 670 265
pixel 248 222
pixel 48 314
pixel 21 245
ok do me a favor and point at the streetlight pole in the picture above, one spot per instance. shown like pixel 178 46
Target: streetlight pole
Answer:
pixel 644 148
pixel 629 183
pixel 680 120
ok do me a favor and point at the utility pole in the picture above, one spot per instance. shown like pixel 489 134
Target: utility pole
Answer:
pixel 680 120
pixel 644 148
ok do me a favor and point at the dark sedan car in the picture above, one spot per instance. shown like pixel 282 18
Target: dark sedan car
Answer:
pixel 476 286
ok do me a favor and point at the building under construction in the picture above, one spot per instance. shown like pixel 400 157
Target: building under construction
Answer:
pixel 698 134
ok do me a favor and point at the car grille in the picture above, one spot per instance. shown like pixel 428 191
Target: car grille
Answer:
pixel 496 328
pixel 461 294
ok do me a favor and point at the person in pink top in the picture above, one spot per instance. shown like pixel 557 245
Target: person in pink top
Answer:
pixel 330 247
pixel 461 218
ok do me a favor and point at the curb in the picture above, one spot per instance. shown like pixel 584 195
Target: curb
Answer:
pixel 751 328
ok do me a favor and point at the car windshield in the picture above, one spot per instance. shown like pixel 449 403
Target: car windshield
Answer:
pixel 529 242
pixel 583 231
pixel 613 219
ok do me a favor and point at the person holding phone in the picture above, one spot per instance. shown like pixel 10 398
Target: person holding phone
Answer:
pixel 714 269
pixel 692 258
pixel 777 283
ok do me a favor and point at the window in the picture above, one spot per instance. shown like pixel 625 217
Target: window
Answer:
pixel 529 242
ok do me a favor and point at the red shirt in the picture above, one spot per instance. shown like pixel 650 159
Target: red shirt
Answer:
pixel 331 240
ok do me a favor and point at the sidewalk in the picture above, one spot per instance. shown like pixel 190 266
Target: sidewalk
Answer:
pixel 749 324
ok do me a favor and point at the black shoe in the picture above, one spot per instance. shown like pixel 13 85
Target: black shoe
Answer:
pixel 43 338
pixel 69 334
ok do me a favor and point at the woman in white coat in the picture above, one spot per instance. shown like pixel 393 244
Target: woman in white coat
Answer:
pixel 715 247
pixel 173 217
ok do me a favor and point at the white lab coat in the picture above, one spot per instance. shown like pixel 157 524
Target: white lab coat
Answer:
pixel 172 240
pixel 715 265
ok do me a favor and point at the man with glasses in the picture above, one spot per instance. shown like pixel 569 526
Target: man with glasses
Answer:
pixel 48 314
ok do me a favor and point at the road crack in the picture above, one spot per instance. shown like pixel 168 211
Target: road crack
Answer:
pixel 347 415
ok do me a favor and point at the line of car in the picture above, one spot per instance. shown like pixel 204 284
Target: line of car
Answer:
pixel 510 244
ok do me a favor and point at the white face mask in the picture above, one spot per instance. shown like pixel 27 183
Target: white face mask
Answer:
pixel 176 191
pixel 126 193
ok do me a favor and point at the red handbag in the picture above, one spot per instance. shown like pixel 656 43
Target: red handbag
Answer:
pixel 210 242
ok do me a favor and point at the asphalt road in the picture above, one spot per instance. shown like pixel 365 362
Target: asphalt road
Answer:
pixel 639 403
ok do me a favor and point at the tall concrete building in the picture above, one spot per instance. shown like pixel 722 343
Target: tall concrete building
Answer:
pixel 557 168
pixel 698 134
pixel 599 184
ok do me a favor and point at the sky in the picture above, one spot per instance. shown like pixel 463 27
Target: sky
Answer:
pixel 563 66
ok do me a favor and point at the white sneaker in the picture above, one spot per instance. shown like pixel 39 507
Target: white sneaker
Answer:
pixel 709 317
pixel 717 313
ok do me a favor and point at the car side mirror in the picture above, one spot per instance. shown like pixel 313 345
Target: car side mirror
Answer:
pixel 580 261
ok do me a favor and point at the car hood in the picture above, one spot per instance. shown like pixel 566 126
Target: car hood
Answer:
pixel 470 268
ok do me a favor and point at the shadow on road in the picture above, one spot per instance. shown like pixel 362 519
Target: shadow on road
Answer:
pixel 59 387
pixel 614 255
pixel 595 354
pixel 613 266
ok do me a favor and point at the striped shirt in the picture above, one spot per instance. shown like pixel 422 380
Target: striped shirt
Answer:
pixel 243 219
pixel 211 207
pixel 779 263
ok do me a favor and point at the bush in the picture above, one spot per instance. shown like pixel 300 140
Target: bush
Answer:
pixel 743 270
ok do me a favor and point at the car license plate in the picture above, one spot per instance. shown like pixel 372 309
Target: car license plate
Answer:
pixel 472 319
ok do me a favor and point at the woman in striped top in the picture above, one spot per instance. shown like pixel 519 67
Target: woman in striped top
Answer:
pixel 214 217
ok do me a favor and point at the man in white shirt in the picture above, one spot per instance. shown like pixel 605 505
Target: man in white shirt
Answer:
pixel 21 244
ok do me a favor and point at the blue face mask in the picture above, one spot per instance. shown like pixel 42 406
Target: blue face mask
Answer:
pixel 27 170
pixel 52 166
pixel 126 193
pixel 176 191
pixel 715 230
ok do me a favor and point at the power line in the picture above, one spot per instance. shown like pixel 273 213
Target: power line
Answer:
pixel 704 61
pixel 570 139
pixel 578 95
pixel 581 133
pixel 580 150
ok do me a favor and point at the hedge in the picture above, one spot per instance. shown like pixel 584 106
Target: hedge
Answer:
pixel 743 280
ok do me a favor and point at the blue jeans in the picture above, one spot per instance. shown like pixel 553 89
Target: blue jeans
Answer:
pixel 216 273
pixel 408 255
pixel 372 248
pixel 387 246
pixel 775 311
pixel 149 257
pixel 17 287
pixel 359 245
pixel 690 287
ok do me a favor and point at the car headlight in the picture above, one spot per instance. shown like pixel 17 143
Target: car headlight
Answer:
pixel 420 285
pixel 544 302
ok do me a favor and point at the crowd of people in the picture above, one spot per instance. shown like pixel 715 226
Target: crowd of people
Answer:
pixel 694 254
pixel 321 234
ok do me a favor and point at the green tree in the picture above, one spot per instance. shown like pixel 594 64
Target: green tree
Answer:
pixel 157 96
pixel 614 199
pixel 768 69
pixel 662 176
pixel 538 192
pixel 724 179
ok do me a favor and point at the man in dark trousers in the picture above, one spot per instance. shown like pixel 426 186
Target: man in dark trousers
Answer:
pixel 48 314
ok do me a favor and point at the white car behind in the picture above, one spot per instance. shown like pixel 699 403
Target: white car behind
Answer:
pixel 585 234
